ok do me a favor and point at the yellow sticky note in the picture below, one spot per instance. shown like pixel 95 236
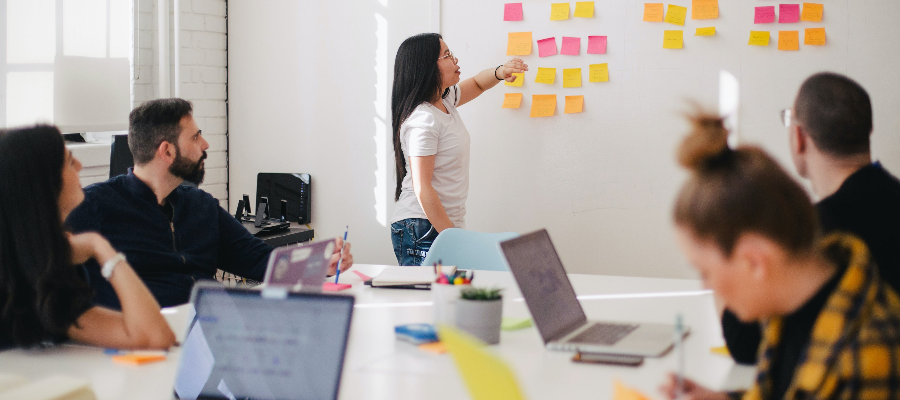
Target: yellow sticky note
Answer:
pixel 812 12
pixel 721 350
pixel 788 40
pixel 519 44
pixel 584 9
pixel 676 14
pixel 486 376
pixel 543 105
pixel 520 80
pixel 546 75
pixel 574 104
pixel 653 12
pixel 759 38
pixel 599 73
pixel 512 100
pixel 622 392
pixel 559 11
pixel 673 39
pixel 711 31
pixel 815 37
pixel 704 9
pixel 571 77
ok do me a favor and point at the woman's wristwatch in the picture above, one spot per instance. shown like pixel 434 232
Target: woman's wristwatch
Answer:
pixel 110 264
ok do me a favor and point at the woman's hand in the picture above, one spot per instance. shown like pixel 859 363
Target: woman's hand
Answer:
pixel 88 245
pixel 692 391
pixel 516 65
pixel 345 256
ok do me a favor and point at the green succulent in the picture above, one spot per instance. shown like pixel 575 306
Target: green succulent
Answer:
pixel 483 294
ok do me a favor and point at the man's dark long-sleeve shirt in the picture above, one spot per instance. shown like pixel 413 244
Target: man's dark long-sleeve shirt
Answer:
pixel 168 255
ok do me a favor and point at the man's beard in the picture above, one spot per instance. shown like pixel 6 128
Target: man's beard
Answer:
pixel 186 169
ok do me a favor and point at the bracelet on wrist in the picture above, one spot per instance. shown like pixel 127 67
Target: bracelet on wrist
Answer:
pixel 495 72
pixel 109 265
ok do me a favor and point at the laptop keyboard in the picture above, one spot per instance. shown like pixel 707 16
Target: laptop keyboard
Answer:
pixel 604 334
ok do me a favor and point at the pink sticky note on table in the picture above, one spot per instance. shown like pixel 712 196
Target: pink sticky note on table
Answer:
pixel 547 47
pixel 764 15
pixel 362 276
pixel 596 45
pixel 788 13
pixel 335 287
pixel 571 46
pixel 512 12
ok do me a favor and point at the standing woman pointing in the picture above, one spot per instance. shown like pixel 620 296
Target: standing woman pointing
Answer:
pixel 431 143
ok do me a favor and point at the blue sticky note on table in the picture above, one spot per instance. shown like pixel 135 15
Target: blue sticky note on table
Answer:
pixel 416 333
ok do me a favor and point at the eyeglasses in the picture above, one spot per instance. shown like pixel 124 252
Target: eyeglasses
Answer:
pixel 786 117
pixel 449 55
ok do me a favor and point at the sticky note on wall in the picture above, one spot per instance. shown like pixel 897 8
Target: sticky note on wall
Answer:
pixel 599 73
pixel 512 100
pixel 812 12
pixel 710 31
pixel 546 75
pixel 512 12
pixel 547 47
pixel 653 12
pixel 673 39
pixel 574 104
pixel 704 9
pixel 571 46
pixel 764 15
pixel 519 44
pixel 815 37
pixel 571 77
pixel 788 13
pixel 520 80
pixel 596 45
pixel 789 40
pixel 676 14
pixel 584 9
pixel 759 38
pixel 559 11
pixel 543 105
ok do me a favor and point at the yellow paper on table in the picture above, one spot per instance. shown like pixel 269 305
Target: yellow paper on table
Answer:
pixel 599 73
pixel 711 31
pixel 486 376
pixel 520 79
pixel 584 9
pixel 673 39
pixel 721 350
pixel 559 11
pixel 546 75
pixel 519 44
pixel 704 9
pixel 622 392
pixel 812 12
pixel 574 104
pixel 572 77
pixel 788 40
pixel 814 37
pixel 676 14
pixel 543 105
pixel 512 100
pixel 759 38
pixel 653 12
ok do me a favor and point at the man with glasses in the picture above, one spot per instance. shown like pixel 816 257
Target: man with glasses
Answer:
pixel 829 128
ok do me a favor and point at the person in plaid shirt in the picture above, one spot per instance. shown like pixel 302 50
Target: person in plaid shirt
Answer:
pixel 831 326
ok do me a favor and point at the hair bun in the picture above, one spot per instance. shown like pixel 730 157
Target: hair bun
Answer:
pixel 707 141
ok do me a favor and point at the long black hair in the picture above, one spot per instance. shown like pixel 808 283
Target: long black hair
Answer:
pixel 41 294
pixel 417 79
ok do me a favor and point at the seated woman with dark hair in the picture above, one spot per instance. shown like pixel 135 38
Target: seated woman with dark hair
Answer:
pixel 44 295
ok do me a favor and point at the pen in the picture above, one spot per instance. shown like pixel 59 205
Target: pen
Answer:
pixel 679 345
pixel 341 256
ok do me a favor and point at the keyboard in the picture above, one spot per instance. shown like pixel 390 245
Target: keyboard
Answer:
pixel 603 334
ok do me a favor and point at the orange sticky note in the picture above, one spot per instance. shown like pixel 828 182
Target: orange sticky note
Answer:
pixel 815 37
pixel 653 12
pixel 622 392
pixel 676 14
pixel 519 44
pixel 710 31
pixel 512 100
pixel 571 77
pixel 759 38
pixel 559 11
pixel 138 359
pixel 721 350
pixel 704 9
pixel 788 40
pixel 543 105
pixel 812 12
pixel 574 104
pixel 673 39
pixel 520 80
pixel 599 73
pixel 438 347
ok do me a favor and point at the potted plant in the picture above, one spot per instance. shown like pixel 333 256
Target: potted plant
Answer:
pixel 479 311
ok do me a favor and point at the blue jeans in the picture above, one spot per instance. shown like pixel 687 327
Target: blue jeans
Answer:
pixel 412 238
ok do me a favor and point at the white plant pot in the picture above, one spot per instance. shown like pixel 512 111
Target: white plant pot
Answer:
pixel 481 318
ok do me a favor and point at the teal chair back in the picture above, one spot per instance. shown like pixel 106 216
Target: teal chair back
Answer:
pixel 469 249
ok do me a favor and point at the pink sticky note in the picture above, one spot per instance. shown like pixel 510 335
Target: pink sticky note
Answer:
pixel 764 15
pixel 571 46
pixel 335 287
pixel 788 13
pixel 547 47
pixel 512 12
pixel 362 276
pixel 596 44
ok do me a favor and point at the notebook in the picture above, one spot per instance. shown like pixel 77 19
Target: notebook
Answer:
pixel 408 276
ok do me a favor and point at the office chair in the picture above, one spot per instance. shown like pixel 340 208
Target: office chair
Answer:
pixel 120 158
pixel 469 249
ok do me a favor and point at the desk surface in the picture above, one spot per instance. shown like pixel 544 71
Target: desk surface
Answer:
pixel 380 367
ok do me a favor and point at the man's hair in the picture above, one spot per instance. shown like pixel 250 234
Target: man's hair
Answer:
pixel 836 113
pixel 154 122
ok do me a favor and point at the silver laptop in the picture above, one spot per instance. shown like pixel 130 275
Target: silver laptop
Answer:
pixel 299 267
pixel 558 315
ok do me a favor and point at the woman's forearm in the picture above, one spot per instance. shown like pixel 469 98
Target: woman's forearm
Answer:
pixel 486 79
pixel 434 210
pixel 143 323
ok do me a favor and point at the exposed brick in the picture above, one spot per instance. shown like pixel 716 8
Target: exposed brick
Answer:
pixel 219 191
pixel 216 159
pixel 193 22
pixel 186 6
pixel 209 108
pixel 193 56
pixel 216 142
pixel 215 24
pixel 210 74
pixel 208 40
pixel 213 126
pixel 213 7
pixel 216 58
pixel 215 176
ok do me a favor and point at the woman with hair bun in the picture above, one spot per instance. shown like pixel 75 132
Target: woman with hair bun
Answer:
pixel 831 327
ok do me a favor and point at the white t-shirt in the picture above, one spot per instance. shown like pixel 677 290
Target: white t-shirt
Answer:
pixel 428 131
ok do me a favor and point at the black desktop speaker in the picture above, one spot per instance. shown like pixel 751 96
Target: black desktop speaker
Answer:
pixel 294 188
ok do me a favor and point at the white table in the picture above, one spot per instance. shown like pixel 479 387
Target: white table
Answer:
pixel 380 367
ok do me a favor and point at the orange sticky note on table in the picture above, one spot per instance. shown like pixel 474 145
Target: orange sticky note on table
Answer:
pixel 812 12
pixel 759 38
pixel 599 73
pixel 520 80
pixel 543 105
pixel 138 359
pixel 653 12
pixel 788 40
pixel 435 347
pixel 574 104
pixel 559 11
pixel 622 392
pixel 704 9
pixel 512 100
pixel 571 77
pixel 710 31
pixel 676 14
pixel 673 39
pixel 519 44
pixel 814 37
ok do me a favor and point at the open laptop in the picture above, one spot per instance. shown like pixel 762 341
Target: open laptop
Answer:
pixel 558 315
pixel 263 344
pixel 302 266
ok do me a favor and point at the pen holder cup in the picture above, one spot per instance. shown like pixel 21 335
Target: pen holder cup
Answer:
pixel 444 298
pixel 481 318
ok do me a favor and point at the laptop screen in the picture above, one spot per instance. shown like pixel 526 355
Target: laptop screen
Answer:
pixel 542 279
pixel 246 346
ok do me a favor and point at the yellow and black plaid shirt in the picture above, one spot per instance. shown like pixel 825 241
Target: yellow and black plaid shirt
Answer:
pixel 854 350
